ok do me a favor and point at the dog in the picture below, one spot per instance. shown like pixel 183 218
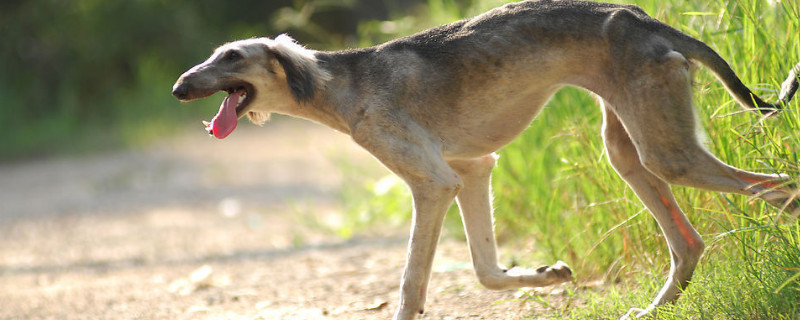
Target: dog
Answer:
pixel 435 106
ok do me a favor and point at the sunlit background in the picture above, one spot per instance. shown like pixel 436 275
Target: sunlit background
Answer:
pixel 104 174
pixel 85 75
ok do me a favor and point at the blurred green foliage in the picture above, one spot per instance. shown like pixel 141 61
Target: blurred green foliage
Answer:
pixel 86 74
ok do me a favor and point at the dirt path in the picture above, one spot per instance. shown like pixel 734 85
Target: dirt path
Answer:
pixel 194 228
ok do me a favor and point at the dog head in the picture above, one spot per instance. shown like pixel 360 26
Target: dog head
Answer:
pixel 260 75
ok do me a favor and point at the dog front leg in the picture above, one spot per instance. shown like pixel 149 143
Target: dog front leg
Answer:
pixel 414 156
pixel 475 203
pixel 431 200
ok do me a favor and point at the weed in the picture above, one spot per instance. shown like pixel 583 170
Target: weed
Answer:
pixel 553 185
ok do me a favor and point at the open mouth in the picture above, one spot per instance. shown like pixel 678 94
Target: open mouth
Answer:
pixel 232 108
pixel 246 91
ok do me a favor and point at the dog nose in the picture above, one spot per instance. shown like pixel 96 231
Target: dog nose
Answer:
pixel 180 91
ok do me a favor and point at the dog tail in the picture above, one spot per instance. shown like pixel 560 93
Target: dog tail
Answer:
pixel 699 51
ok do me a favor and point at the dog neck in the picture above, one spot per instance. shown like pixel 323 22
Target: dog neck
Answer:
pixel 335 102
pixel 320 110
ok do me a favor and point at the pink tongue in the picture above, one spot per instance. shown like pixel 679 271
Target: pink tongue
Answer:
pixel 225 121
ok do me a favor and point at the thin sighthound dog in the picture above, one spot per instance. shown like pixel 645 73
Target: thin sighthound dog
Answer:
pixel 435 106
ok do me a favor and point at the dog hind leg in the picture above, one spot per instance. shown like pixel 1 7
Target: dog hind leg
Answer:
pixel 659 119
pixel 656 114
pixel 685 244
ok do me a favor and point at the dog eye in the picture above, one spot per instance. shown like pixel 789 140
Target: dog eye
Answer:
pixel 232 56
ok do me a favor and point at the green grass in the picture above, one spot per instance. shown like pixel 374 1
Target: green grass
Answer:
pixel 554 188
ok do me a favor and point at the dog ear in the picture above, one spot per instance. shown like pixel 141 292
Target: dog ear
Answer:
pixel 298 77
pixel 299 65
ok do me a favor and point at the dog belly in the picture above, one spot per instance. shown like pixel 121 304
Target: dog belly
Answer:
pixel 484 130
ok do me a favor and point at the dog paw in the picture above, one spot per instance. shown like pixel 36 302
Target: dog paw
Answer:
pixel 793 207
pixel 636 313
pixel 560 271
pixel 790 206
pixel 544 275
pixel 785 200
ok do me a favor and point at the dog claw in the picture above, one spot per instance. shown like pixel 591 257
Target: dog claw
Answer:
pixel 562 269
pixel 539 277
pixel 208 127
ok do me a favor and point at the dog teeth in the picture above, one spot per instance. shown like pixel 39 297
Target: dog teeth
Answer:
pixel 208 127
